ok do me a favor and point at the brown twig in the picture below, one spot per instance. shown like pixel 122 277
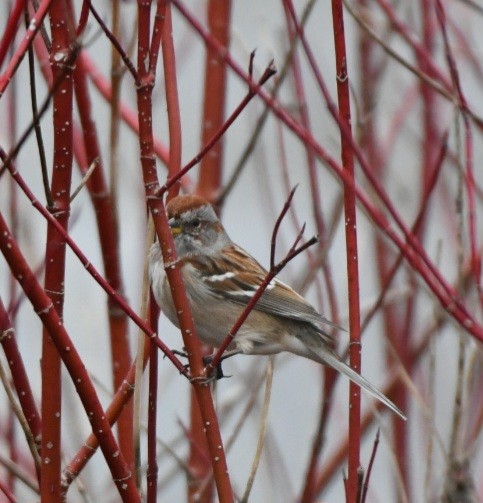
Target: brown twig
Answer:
pixel 367 478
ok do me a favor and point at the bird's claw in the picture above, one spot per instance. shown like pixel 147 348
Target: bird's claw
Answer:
pixel 212 373
pixel 215 374
pixel 182 353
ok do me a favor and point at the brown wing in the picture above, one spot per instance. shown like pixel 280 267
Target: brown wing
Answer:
pixel 236 275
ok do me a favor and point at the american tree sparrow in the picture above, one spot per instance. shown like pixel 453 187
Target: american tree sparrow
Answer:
pixel 220 278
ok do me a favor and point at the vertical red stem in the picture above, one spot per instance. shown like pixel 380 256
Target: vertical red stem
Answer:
pixel 62 70
pixel 109 241
pixel 351 251
pixel 19 373
pixel 146 69
pixel 211 169
pixel 152 469
pixel 218 14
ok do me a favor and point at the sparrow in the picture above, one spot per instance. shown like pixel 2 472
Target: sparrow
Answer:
pixel 220 278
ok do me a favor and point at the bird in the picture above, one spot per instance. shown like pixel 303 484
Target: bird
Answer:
pixel 220 278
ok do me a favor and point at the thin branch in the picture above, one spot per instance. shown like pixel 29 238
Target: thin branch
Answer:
pixel 367 478
pixel 115 42
pixel 16 59
pixel 17 410
pixel 74 364
pixel 70 58
pixel 85 178
pixel 276 227
pixel 413 251
pixel 36 123
pixel 262 432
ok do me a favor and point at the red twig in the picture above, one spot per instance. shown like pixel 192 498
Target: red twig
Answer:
pixel 128 115
pixel 252 92
pixel 469 174
pixel 109 241
pixel 115 42
pixel 171 86
pixel 209 181
pixel 218 15
pixel 276 227
pixel 113 411
pixel 425 200
pixel 19 375
pixel 5 490
pixel 351 251
pixel 62 99
pixel 11 27
pixel 16 59
pixel 152 468
pixel 157 208
pixel 83 18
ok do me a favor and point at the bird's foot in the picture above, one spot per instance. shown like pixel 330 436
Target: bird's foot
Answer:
pixel 182 353
pixel 215 373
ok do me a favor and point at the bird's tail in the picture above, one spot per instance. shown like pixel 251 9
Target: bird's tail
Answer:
pixel 333 361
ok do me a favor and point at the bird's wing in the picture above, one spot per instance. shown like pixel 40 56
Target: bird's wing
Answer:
pixel 236 275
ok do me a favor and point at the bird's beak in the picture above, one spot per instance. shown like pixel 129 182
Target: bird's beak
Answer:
pixel 175 231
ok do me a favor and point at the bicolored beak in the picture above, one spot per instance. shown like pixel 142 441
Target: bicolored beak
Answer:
pixel 175 231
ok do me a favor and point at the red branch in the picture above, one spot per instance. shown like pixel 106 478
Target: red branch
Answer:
pixel 274 270
pixel 11 27
pixel 35 24
pixel 19 375
pixel 109 241
pixel 62 98
pixel 74 364
pixel 172 265
pixel 352 255
pixel 218 15
pixel 91 269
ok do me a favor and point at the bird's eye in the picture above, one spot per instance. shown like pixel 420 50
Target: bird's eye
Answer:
pixel 195 223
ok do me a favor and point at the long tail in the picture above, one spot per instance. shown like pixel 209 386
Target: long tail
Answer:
pixel 333 361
